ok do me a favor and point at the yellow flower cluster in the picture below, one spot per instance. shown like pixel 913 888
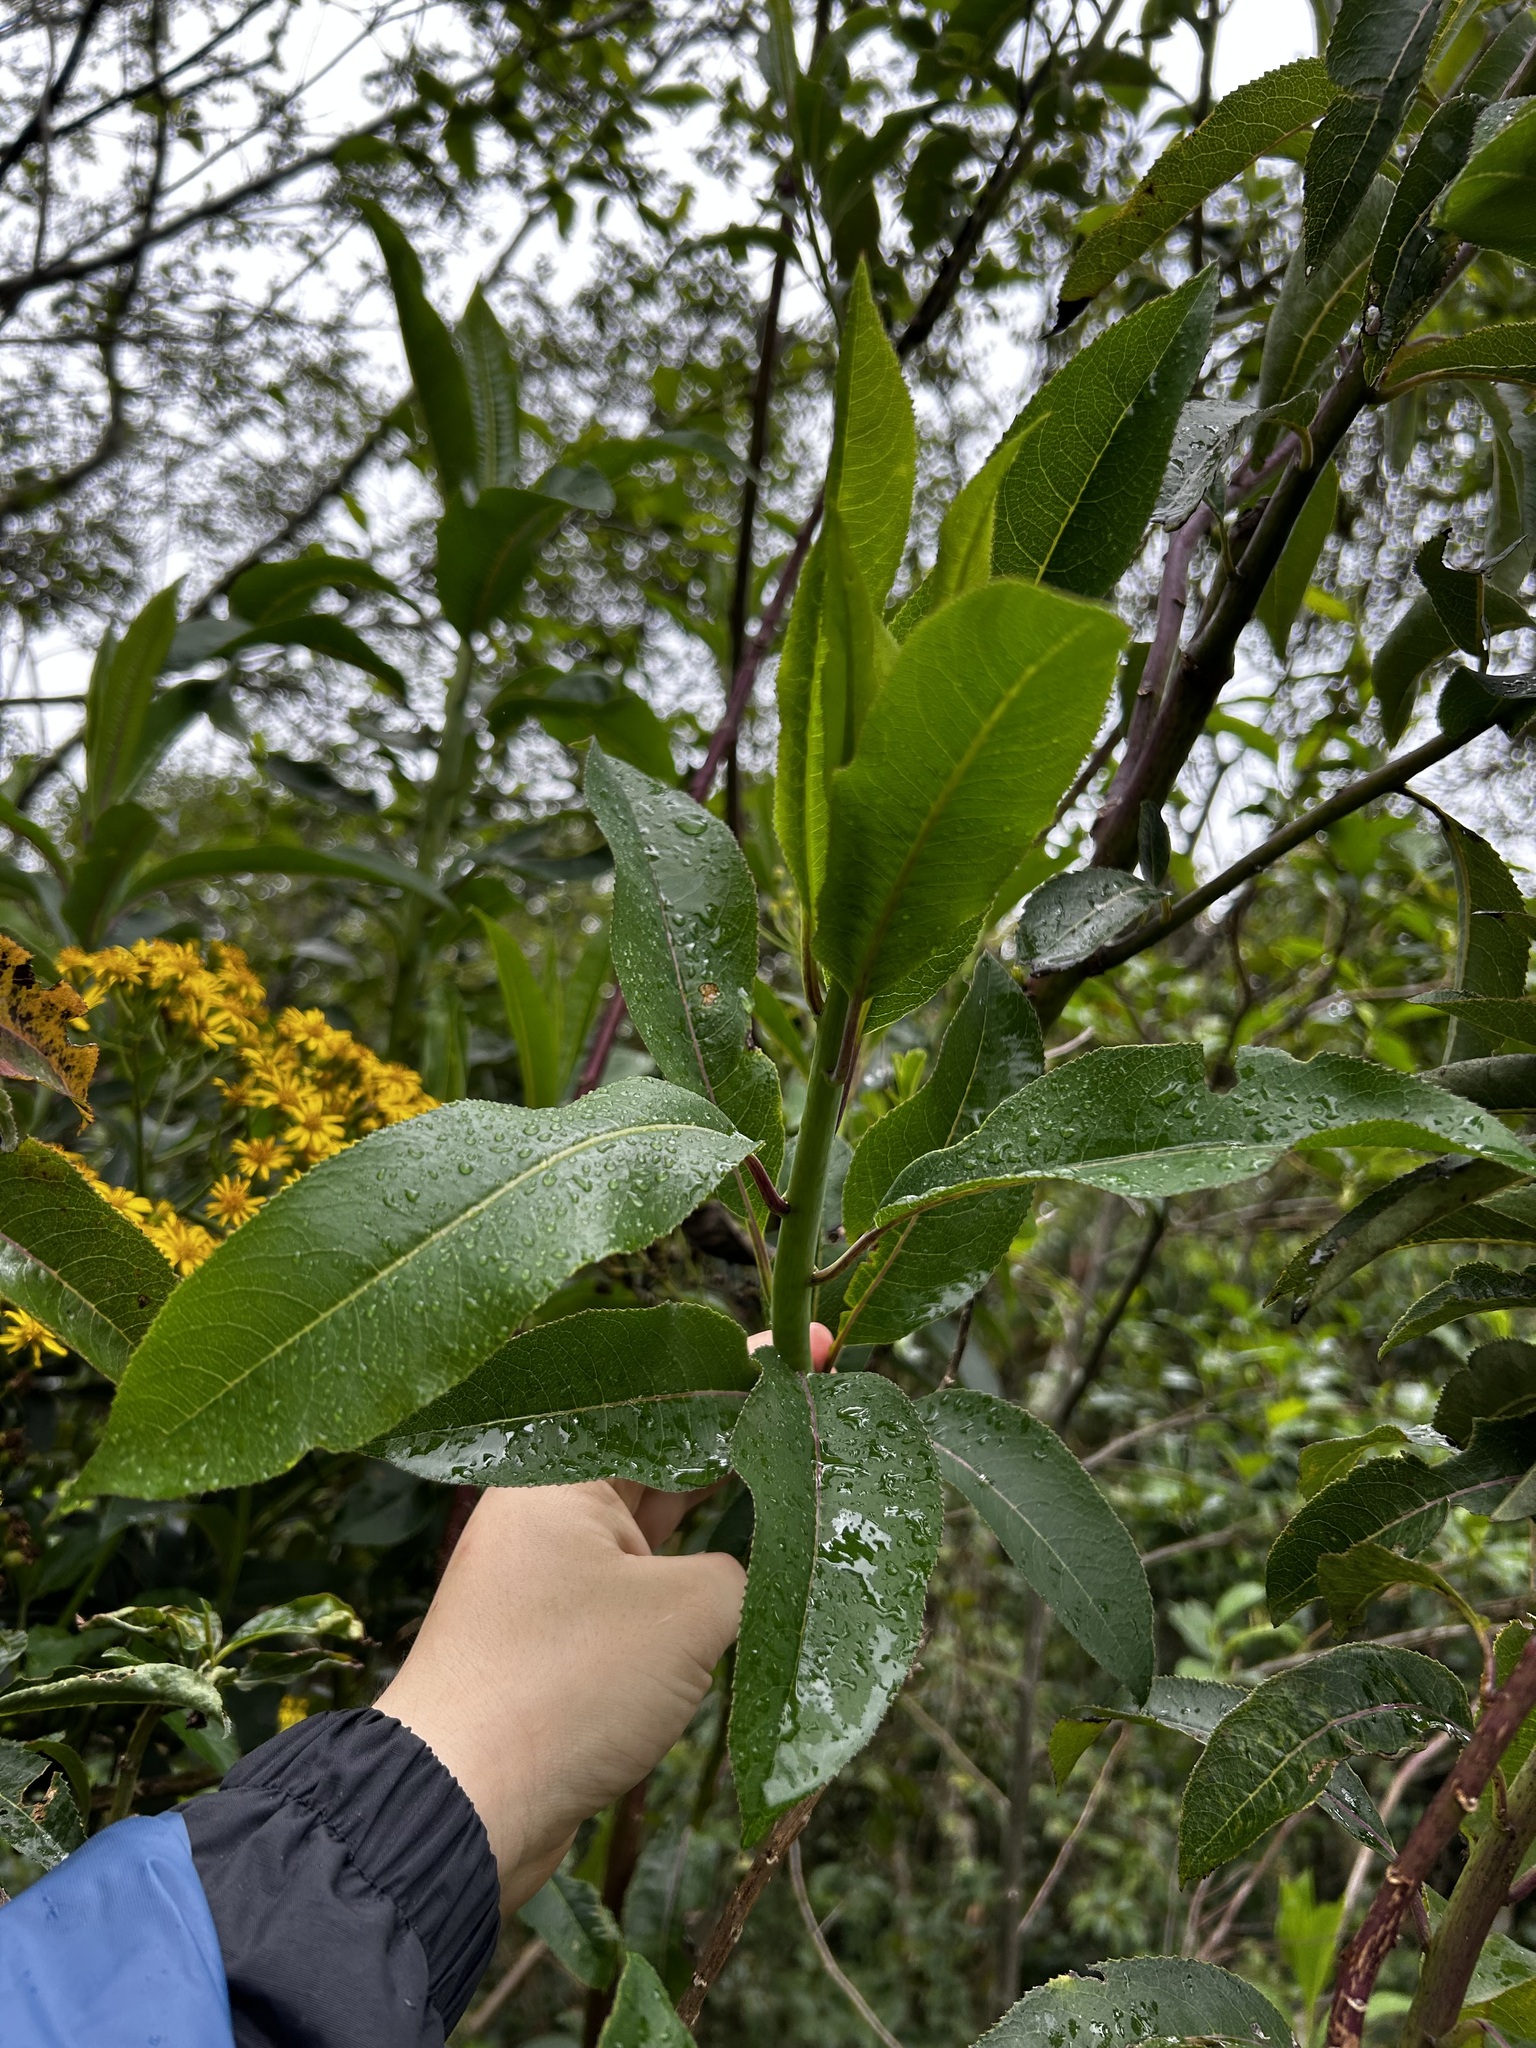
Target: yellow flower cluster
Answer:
pixel 301 1088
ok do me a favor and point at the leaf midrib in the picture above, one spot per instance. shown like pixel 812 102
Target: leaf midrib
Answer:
pixel 439 1434
pixel 86 1305
pixel 425 1244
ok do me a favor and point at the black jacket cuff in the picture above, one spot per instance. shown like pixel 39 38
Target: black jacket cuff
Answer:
pixel 352 1886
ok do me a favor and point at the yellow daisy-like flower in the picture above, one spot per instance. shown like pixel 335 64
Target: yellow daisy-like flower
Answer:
pixel 184 1244
pixel 124 1200
pixel 21 1332
pixel 258 1158
pixel 231 1202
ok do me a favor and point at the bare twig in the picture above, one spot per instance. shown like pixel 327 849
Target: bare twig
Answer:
pixel 523 1965
pixel 1089 1370
pixel 829 1962
pixel 962 1338
pixel 727 1930
pixel 1065 1853
pixel 1212 1944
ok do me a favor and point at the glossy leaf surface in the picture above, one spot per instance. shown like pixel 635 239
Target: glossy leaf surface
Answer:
pixel 990 708
pixel 846 1533
pixel 1071 915
pixel 643 2016
pixel 1472 1290
pixel 1140 1120
pixel 1053 1522
pixel 1413 256
pixel 650 1394
pixel 685 944
pixel 1143 1999
pixel 1492 934
pixel 1094 446
pixel 1240 128
pixel 1400 1503
pixel 1274 1753
pixel 68 1258
pixel 930 1266
pixel 387 1273
pixel 582 1934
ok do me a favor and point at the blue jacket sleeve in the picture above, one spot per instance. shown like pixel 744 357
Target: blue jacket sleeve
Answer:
pixel 116 1948
pixel 337 1892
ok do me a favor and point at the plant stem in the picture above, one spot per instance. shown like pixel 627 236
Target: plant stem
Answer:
pixel 727 1930
pixel 127 1780
pixel 440 809
pixel 829 1962
pixel 800 1232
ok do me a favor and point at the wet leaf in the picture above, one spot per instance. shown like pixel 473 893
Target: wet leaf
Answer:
pixel 1494 1018
pixel 1095 440
pixel 1400 1503
pixel 1375 56
pixel 1055 1525
pixel 1072 915
pixel 569 1914
pixel 990 708
pixel 387 1273
pixel 1493 202
pixel 1492 934
pixel 68 1258
pixel 685 947
pixel 848 1515
pixel 41 1828
pixel 1145 1999
pixel 1497 1383
pixel 1203 445
pixel 1472 1290
pixel 1244 126
pixel 650 1394
pixel 1139 1120
pixel 36 1043
pixel 1274 1752
pixel 1413 256
pixel 643 2016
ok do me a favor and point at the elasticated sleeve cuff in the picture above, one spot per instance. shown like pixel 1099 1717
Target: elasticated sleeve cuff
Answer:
pixel 352 1886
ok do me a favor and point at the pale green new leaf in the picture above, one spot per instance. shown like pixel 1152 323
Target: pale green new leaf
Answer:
pixel 991 706
pixel 1274 1753
pixel 873 464
pixel 1472 1290
pixel 1055 1525
pixel 1141 1120
pixel 964 560
pixel 387 1273
pixel 643 2016
pixel 847 1521
pixel 569 1914
pixel 649 1394
pixel 1248 123
pixel 68 1258
pixel 685 946
pixel 1140 2002
pixel 1094 443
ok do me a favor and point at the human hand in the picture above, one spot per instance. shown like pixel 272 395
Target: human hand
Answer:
pixel 561 1658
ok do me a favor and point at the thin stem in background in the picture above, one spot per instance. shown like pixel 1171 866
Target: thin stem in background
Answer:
pixel 126 1782
pixel 829 1962
pixel 1065 1853
pixel 526 1961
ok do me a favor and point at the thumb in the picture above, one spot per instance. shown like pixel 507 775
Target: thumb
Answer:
pixel 696 1603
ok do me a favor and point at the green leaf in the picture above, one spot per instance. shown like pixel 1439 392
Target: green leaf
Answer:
pixel 582 1934
pixel 1349 1581
pixel 118 699
pixel 1146 1999
pixel 1203 445
pixel 1505 352
pixel 873 464
pixel 1246 125
pixel 1497 1383
pixel 271 857
pixel 278 591
pixel 485 552
pixel 323 634
pixel 1400 1503
pixel 1456 594
pixel 1273 1754
pixel 1493 202
pixel 174 1685
pixel 535 1032
pixel 1184 1706
pixel 43 1829
pixel 1492 937
pixel 1322 1463
pixel 68 1258
pixel 1140 1120
pixel 1055 1525
pixel 930 1266
pixel 1418 640
pixel 643 2016
pixel 848 1515
pixel 437 370
pixel 104 875
pixel 492 380
pixel 1094 443
pixel 1412 257
pixel 964 560
pixel 1375 56
pixel 1391 1217
pixel 1317 308
pixel 1472 1290
pixel 1492 1018
pixel 685 946
pixel 387 1273
pixel 990 708
pixel 650 1394
pixel 1072 915
pixel 623 725
pixel 311 1614
pixel 1282 596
